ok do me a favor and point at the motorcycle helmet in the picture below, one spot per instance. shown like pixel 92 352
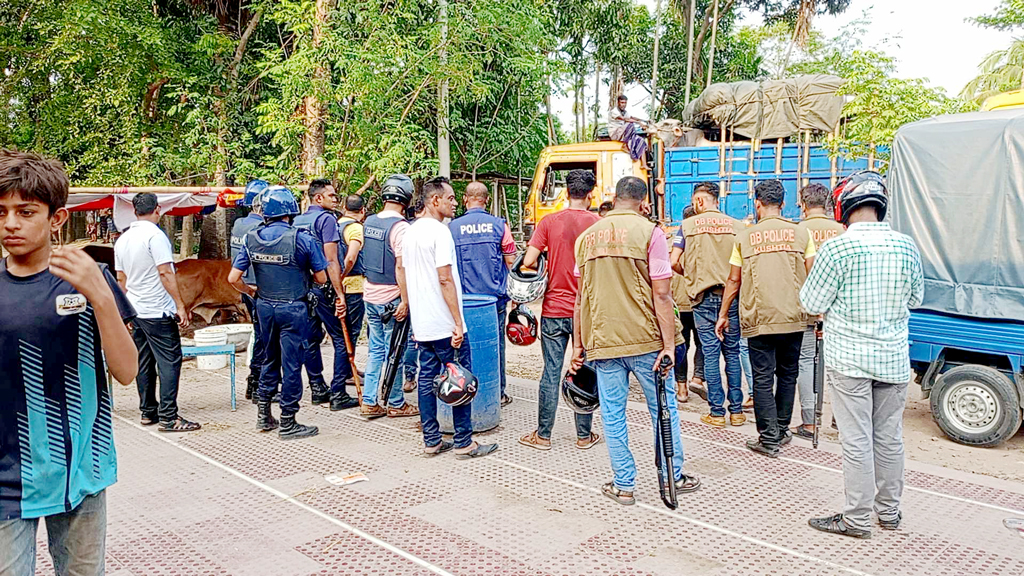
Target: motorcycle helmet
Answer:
pixel 252 191
pixel 397 188
pixel 857 190
pixel 455 386
pixel 278 201
pixel 522 326
pixel 525 287
pixel 579 390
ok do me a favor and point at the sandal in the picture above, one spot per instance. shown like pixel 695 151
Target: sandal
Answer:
pixel 439 449
pixel 687 484
pixel 624 498
pixel 682 392
pixel 149 420
pixel 699 388
pixel 590 442
pixel 534 441
pixel 179 425
pixel 505 400
pixel 804 431
pixel 480 451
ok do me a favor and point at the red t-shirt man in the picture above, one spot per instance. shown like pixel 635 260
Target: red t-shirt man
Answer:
pixel 557 235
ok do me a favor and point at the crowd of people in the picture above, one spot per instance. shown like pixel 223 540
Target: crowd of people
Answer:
pixel 614 290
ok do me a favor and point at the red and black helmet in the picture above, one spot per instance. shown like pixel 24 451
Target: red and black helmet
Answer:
pixel 455 386
pixel 857 190
pixel 522 326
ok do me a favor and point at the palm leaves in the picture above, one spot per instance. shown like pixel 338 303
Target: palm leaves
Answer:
pixel 1001 71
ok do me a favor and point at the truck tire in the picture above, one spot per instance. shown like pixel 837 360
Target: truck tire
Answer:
pixel 976 405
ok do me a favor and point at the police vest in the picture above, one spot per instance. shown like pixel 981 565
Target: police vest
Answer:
pixel 308 221
pixel 239 230
pixel 279 277
pixel 710 237
pixel 482 269
pixel 357 268
pixel 773 272
pixel 822 228
pixel 379 257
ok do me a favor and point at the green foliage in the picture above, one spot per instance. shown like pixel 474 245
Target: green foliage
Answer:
pixel 1002 70
pixel 1009 15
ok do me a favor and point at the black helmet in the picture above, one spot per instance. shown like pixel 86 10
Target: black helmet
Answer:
pixel 455 386
pixel 857 190
pixel 579 390
pixel 397 188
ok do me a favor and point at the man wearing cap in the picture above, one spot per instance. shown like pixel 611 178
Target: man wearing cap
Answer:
pixel 486 251
pixel 283 257
pixel 384 293
pixel 239 230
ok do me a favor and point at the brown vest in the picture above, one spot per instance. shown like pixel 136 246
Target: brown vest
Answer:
pixel 679 296
pixel 773 273
pixel 822 228
pixel 617 317
pixel 709 240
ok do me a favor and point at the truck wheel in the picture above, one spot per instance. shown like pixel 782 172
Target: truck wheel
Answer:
pixel 976 405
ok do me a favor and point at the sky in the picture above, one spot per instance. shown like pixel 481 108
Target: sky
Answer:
pixel 929 39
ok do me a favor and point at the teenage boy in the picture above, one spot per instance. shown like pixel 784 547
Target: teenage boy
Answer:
pixel 61 316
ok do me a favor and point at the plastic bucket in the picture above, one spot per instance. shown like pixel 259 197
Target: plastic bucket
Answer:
pixel 481 315
pixel 213 336
pixel 238 334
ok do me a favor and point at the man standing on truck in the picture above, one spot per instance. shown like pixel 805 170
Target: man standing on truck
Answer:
pixel 822 227
pixel 701 253
pixel 770 261
pixel 865 282
pixel 486 251
pixel 557 235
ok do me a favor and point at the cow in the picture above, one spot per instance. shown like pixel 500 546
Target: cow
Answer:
pixel 205 290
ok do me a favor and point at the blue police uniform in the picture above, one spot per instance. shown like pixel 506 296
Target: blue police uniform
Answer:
pixel 482 266
pixel 239 231
pixel 282 257
pixel 324 230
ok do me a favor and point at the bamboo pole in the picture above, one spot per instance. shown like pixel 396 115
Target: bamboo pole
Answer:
pixel 689 48
pixel 654 70
pixel 711 53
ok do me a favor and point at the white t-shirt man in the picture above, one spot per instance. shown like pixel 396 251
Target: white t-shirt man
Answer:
pixel 427 246
pixel 137 253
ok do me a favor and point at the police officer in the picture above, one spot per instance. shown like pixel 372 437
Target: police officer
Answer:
pixel 486 253
pixel 701 254
pixel 385 290
pixel 242 227
pixel 283 257
pixel 329 297
pixel 769 264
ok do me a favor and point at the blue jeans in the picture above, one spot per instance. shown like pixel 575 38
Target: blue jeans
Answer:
pixel 77 541
pixel 410 361
pixel 705 315
pixel 433 357
pixel 748 372
pixel 555 335
pixel 613 388
pixel 379 335
pixel 285 326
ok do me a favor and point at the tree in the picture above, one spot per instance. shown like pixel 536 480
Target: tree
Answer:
pixel 1002 70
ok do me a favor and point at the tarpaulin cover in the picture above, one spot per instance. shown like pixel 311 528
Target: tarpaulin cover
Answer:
pixel 769 109
pixel 182 204
pixel 957 188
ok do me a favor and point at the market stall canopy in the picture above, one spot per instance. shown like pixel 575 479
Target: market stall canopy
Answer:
pixel 175 204
pixel 957 189
pixel 769 109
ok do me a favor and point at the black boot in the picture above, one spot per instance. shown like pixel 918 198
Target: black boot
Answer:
pixel 321 394
pixel 265 421
pixel 342 401
pixel 252 385
pixel 290 429
pixel 276 398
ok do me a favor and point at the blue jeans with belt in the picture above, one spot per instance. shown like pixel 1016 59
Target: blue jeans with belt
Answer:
pixel 434 355
pixel 705 316
pixel 379 335
pixel 77 541
pixel 285 326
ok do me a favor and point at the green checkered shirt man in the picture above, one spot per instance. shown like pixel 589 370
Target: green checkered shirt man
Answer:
pixel 865 282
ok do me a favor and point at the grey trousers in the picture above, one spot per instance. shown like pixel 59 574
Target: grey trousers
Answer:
pixel 805 381
pixel 870 418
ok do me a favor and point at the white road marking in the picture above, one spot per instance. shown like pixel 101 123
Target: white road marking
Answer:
pixel 347 527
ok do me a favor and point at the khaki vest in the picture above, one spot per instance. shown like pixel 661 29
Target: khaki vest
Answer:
pixel 682 301
pixel 617 318
pixel 710 237
pixel 773 272
pixel 822 228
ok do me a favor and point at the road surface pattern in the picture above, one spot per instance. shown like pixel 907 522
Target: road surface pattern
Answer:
pixel 227 500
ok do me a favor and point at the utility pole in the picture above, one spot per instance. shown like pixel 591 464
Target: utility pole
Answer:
pixel 444 159
pixel 654 70
pixel 711 53
pixel 689 47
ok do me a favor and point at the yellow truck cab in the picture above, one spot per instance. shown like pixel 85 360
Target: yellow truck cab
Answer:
pixel 609 161
pixel 1004 101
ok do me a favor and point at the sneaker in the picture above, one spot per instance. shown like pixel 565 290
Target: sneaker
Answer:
pixel 892 524
pixel 371 411
pixel 837 525
pixel 756 446
pixel 403 412
pixel 712 420
pixel 737 419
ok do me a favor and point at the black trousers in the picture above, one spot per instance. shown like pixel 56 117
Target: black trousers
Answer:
pixel 159 345
pixel 775 359
pixel 682 367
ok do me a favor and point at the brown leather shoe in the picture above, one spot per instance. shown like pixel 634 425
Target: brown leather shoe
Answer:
pixel 737 419
pixel 711 420
pixel 404 411
pixel 370 411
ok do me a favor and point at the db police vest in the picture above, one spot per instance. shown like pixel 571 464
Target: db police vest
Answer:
pixel 239 230
pixel 278 275
pixel 822 228
pixel 773 273
pixel 357 269
pixel 482 267
pixel 379 257
pixel 308 222
pixel 709 240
